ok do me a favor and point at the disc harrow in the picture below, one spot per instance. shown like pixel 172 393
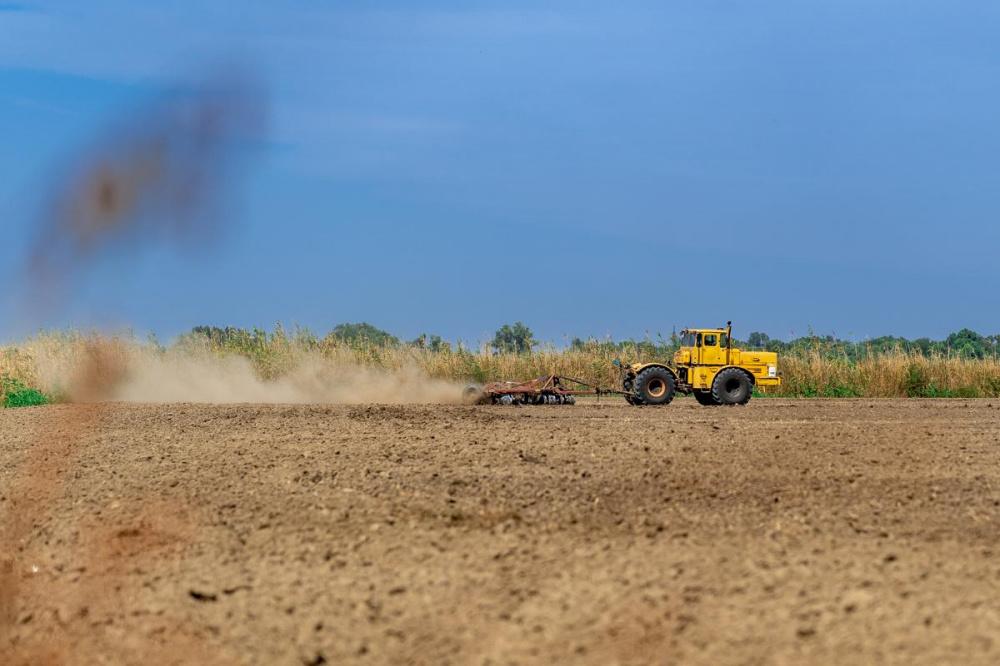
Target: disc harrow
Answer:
pixel 547 390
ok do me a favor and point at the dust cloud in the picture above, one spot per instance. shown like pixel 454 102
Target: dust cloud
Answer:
pixel 157 176
pixel 232 379
pixel 109 369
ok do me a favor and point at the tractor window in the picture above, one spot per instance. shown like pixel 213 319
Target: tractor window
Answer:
pixel 723 340
pixel 687 340
pixel 711 339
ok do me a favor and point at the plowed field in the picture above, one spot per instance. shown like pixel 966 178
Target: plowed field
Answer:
pixel 788 532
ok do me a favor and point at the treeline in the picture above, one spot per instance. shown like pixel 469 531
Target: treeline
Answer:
pixel 509 338
pixel 964 343
pixel 519 339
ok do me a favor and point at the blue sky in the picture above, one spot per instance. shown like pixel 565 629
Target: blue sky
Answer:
pixel 590 168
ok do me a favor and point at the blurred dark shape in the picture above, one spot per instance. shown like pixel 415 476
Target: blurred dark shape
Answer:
pixel 158 176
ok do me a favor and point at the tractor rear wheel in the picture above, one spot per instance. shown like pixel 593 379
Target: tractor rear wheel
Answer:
pixel 732 386
pixel 705 398
pixel 655 386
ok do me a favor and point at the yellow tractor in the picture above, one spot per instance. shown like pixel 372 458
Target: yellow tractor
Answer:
pixel 706 365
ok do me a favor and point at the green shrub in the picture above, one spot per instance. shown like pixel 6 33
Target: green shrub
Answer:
pixel 917 383
pixel 839 391
pixel 16 394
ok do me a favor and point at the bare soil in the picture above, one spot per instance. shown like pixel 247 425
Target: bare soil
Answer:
pixel 785 532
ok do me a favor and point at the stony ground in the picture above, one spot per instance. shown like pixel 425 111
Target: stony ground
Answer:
pixel 786 532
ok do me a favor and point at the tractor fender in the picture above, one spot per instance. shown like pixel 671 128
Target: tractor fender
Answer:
pixel 639 367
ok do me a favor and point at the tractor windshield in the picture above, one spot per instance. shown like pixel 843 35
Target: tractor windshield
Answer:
pixel 687 340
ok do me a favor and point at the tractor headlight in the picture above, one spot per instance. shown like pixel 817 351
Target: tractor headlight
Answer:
pixel 772 371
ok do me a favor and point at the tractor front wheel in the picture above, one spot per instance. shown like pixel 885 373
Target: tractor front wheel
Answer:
pixel 732 387
pixel 655 386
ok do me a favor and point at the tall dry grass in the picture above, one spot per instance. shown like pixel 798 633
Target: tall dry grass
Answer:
pixel 894 374
pixel 46 362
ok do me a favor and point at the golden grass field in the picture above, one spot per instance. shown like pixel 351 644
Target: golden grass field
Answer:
pixel 47 362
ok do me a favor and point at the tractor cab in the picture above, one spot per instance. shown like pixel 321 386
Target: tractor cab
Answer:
pixel 703 346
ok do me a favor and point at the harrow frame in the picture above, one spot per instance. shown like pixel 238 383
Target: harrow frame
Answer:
pixel 545 390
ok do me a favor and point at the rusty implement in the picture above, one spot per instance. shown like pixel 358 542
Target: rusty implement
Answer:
pixel 547 390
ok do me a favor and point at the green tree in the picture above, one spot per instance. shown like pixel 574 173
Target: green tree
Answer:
pixel 967 344
pixel 516 338
pixel 758 340
pixel 432 342
pixel 363 332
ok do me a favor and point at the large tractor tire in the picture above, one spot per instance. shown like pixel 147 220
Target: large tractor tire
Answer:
pixel 705 398
pixel 655 386
pixel 732 386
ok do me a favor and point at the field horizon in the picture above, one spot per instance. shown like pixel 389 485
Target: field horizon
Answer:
pixel 240 365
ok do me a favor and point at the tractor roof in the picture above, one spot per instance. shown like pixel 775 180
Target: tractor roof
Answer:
pixel 703 330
